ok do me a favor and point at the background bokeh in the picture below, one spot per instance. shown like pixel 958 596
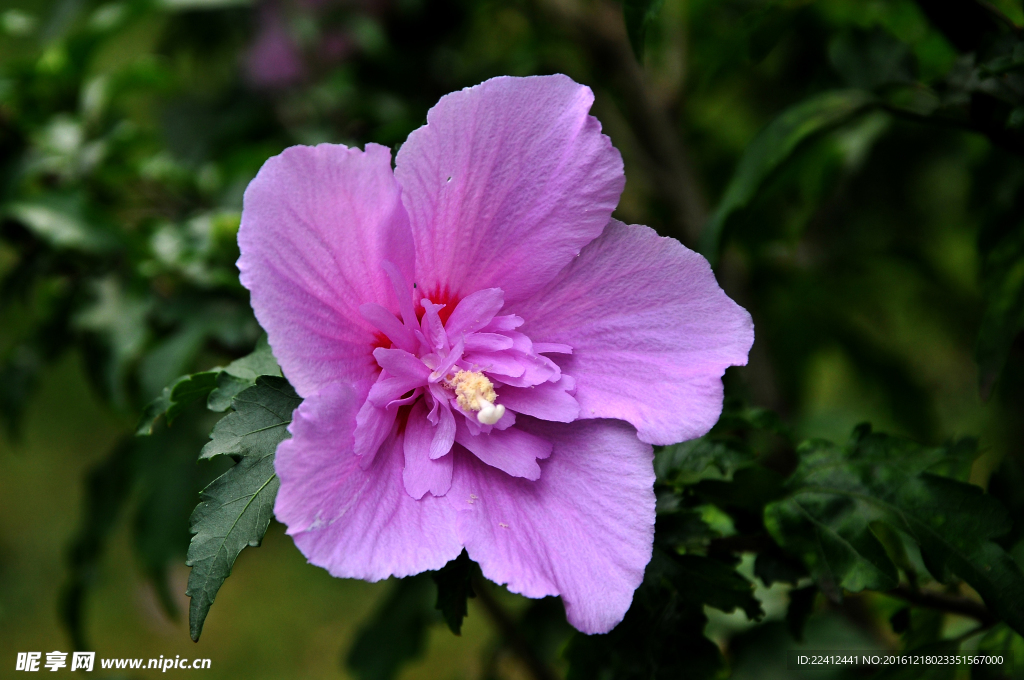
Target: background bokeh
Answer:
pixel 877 243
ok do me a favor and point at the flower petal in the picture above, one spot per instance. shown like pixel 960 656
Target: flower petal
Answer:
pixel 584 530
pixel 510 450
pixel 505 183
pixel 650 329
pixel 547 401
pixel 316 224
pixel 422 472
pixel 355 523
pixel 475 311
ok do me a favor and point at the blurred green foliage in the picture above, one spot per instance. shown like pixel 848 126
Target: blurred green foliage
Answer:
pixel 853 168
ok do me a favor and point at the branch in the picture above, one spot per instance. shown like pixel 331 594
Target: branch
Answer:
pixel 599 28
pixel 951 604
pixel 507 627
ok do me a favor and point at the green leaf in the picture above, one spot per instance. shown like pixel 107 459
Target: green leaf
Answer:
pixel 801 605
pixel 241 374
pixel 175 398
pixel 1000 641
pixel 188 390
pixel 684 529
pixel 397 632
pixel 454 587
pixel 689 462
pixel 707 581
pixel 773 146
pixel 59 221
pixel 837 493
pixel 831 534
pixel 258 424
pixel 235 510
pixel 218 387
pixel 639 15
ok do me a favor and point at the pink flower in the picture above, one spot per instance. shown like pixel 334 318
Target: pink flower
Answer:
pixel 485 355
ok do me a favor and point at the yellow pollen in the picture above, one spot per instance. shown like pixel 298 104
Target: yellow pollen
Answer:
pixel 474 392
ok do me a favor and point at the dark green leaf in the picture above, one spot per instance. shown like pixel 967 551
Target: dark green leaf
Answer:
pixel 396 633
pixel 772 565
pixel 831 534
pixel 218 387
pixel 188 390
pixel 774 145
pixel 235 510
pixel 838 492
pixel 684 529
pixel 639 15
pixel 708 581
pixel 801 605
pixel 258 424
pixel 688 462
pixel 454 587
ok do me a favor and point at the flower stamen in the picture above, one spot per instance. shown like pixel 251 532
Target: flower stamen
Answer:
pixel 475 392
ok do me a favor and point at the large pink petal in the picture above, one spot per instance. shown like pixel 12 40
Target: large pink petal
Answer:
pixel 355 523
pixel 584 530
pixel 505 183
pixel 317 223
pixel 651 332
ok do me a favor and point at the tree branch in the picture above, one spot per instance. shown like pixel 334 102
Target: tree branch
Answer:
pixel 507 627
pixel 599 28
pixel 951 604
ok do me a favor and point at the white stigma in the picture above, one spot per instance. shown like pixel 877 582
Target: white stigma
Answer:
pixel 475 392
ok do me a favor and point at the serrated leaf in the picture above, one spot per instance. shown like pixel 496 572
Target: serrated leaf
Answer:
pixel 838 492
pixel 831 534
pixel 235 510
pixel 773 146
pixel 228 387
pixel 689 462
pixel 218 387
pixel 396 633
pixel 258 424
pixel 259 362
pixel 190 389
pixel 639 15
pixel 454 587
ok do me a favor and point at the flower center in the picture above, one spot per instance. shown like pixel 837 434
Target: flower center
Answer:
pixel 475 392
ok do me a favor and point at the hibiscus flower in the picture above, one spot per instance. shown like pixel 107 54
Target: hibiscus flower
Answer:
pixel 485 356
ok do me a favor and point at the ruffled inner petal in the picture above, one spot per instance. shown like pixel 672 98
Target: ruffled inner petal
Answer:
pixel 512 451
pixel 423 473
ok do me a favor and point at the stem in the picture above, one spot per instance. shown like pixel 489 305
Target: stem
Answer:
pixel 599 28
pixel 951 604
pixel 507 627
